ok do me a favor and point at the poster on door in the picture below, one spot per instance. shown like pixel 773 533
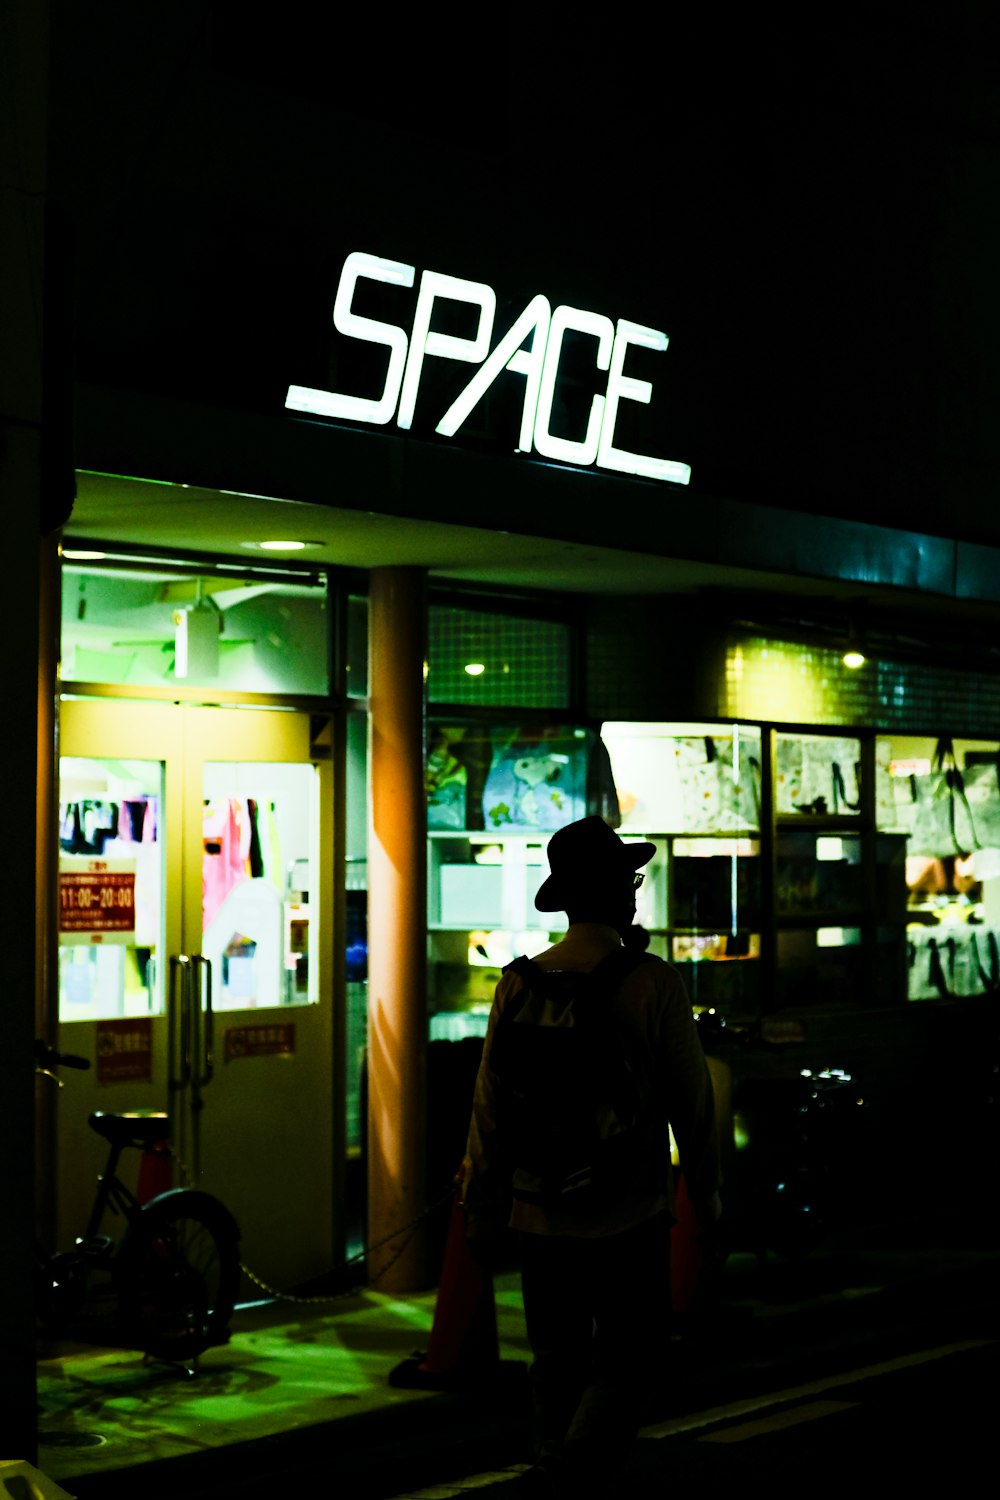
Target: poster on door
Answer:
pixel 96 900
pixel 125 1050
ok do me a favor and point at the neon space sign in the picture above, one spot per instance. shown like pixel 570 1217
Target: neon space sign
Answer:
pixel 539 364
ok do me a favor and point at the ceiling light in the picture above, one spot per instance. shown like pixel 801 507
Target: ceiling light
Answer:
pixel 82 554
pixel 475 668
pixel 853 659
pixel 280 545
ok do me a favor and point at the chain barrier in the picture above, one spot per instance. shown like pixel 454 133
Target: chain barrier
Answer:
pixel 409 1230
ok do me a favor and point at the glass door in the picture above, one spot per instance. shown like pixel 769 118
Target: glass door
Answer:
pixel 195 960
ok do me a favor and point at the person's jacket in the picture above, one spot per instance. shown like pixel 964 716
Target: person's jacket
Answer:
pixel 653 1010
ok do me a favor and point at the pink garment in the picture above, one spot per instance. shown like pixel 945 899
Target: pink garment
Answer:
pixel 226 845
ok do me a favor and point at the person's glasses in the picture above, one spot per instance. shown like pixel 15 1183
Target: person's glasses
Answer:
pixel 637 880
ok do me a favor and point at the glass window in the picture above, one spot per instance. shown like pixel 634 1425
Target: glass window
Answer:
pixel 356 663
pixel 259 825
pixel 818 876
pixel 111 915
pixel 495 793
pixel 685 778
pixel 498 660
pixel 819 965
pixel 817 773
pixel 511 778
pixel 716 883
pixel 240 632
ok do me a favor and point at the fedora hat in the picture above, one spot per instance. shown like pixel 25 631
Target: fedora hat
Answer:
pixel 582 852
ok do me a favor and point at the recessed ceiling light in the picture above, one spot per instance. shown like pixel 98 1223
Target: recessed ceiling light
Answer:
pixel 475 668
pixel 277 545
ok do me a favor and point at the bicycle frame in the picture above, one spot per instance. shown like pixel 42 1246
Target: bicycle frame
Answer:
pixel 111 1192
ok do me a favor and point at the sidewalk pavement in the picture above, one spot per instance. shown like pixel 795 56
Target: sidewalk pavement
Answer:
pixel 300 1400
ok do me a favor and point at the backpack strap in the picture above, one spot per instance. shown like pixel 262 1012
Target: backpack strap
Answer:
pixel 617 965
pixel 612 970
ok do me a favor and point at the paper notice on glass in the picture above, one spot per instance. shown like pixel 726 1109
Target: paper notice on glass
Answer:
pixel 96 900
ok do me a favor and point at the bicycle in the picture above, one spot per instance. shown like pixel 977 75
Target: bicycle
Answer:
pixel 172 1277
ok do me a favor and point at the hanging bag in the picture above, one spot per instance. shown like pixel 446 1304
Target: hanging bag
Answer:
pixel 718 796
pixel 989 978
pixel 943 822
pixel 982 794
pixel 817 774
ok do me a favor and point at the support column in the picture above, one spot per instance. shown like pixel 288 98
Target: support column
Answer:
pixel 397 927
pixel 26 443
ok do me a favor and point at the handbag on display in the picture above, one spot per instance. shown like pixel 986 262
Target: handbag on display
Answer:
pixel 953 960
pixel 717 796
pixel 445 781
pixel 537 780
pixel 886 807
pixel 926 972
pixel 943 823
pixel 986 952
pixel 982 793
pixel 817 773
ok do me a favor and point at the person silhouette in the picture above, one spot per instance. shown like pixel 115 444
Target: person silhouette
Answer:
pixel 595 1275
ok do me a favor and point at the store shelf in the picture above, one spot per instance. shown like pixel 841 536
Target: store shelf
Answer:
pixel 820 822
pixel 798 921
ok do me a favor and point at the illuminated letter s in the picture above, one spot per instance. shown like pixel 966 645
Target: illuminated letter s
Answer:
pixel 353 325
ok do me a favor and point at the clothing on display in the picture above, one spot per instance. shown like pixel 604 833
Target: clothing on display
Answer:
pixel 240 842
pixel 86 826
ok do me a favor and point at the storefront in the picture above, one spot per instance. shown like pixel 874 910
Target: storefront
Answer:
pixel 338 316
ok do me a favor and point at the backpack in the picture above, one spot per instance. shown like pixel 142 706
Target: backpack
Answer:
pixel 572 1111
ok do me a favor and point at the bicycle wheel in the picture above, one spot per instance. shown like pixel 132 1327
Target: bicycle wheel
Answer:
pixel 178 1273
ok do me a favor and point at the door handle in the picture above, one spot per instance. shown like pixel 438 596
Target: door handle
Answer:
pixel 179 1023
pixel 204 1019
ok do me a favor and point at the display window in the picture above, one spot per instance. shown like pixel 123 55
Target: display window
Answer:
pixel 795 868
pixel 943 801
pixel 495 794
pixel 695 790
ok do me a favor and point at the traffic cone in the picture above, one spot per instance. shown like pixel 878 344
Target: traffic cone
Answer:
pixel 155 1172
pixel 464 1344
pixel 687 1257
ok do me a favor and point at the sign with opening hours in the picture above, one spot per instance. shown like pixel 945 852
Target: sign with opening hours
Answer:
pixel 96 900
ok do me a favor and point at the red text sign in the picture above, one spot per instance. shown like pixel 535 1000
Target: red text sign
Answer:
pixel 97 901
